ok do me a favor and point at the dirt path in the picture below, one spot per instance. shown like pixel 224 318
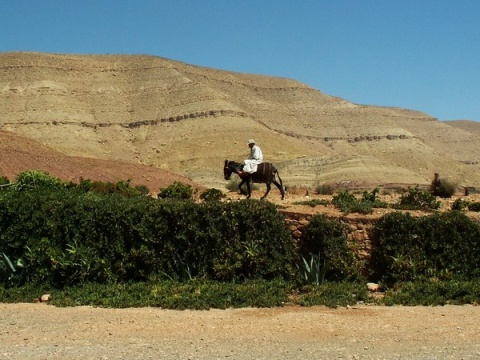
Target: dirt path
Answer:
pixel 360 332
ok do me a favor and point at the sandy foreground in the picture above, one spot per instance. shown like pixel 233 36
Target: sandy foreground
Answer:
pixel 43 331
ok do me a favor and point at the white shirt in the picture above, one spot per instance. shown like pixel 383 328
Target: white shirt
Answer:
pixel 255 158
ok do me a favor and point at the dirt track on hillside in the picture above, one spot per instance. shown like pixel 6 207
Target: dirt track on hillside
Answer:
pixel 360 332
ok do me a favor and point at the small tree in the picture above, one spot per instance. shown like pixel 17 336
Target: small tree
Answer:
pixel 324 189
pixel 177 190
pixel 418 199
pixel 212 195
pixel 36 178
pixel 442 188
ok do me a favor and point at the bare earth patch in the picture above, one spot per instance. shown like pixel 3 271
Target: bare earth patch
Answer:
pixel 359 332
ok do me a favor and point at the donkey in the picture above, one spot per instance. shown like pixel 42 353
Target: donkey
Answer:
pixel 266 173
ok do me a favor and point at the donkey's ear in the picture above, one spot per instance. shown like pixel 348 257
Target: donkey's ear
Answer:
pixel 226 162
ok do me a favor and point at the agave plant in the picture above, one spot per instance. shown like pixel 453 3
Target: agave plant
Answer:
pixel 8 271
pixel 313 270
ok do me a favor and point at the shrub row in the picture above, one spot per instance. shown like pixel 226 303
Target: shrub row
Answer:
pixel 347 202
pixel 67 237
pixel 204 294
pixel 442 246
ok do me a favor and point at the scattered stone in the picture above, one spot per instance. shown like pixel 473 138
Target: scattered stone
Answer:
pixel 373 287
pixel 44 298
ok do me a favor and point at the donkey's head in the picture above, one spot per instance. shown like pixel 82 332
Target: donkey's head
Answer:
pixel 227 170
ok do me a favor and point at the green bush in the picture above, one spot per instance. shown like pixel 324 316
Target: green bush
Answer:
pixel 68 237
pixel 4 181
pixel 333 294
pixel 142 189
pixel 396 248
pixel 348 203
pixel 343 199
pixel 443 188
pixel 416 199
pixel 256 242
pixel 312 202
pixel 177 190
pixel 325 254
pixel 433 293
pixel 36 178
pixel 103 187
pixel 10 271
pixel 474 206
pixel 370 196
pixel 441 246
pixel 460 205
pixel 204 294
pixel 121 187
pixel 212 195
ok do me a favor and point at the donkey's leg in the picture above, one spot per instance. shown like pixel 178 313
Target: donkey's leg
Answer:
pixel 249 190
pixel 268 190
pixel 240 187
pixel 280 187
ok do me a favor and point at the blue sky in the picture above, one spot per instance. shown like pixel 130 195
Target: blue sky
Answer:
pixel 415 54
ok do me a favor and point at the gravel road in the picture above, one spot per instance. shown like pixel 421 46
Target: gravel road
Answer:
pixel 43 331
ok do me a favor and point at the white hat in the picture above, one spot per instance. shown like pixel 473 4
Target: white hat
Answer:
pixel 251 141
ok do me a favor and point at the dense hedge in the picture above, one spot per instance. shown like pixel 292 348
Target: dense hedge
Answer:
pixel 65 236
pixel 441 246
pixel 326 243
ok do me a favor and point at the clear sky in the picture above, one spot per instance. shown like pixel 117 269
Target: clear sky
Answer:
pixel 415 54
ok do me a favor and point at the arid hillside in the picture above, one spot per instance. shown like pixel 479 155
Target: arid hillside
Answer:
pixel 467 125
pixel 20 154
pixel 168 115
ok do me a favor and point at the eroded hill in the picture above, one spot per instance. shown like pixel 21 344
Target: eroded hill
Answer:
pixel 187 119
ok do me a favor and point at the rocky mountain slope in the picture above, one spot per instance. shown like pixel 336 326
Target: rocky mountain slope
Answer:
pixel 467 125
pixel 186 119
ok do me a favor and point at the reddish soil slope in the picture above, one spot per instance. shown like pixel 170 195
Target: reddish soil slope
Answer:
pixel 18 154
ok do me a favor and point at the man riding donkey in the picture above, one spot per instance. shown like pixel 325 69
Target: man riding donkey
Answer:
pixel 254 169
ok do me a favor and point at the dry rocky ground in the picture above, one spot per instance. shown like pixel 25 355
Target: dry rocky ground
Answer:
pixel 297 199
pixel 359 332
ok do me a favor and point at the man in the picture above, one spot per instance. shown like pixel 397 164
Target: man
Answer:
pixel 254 159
